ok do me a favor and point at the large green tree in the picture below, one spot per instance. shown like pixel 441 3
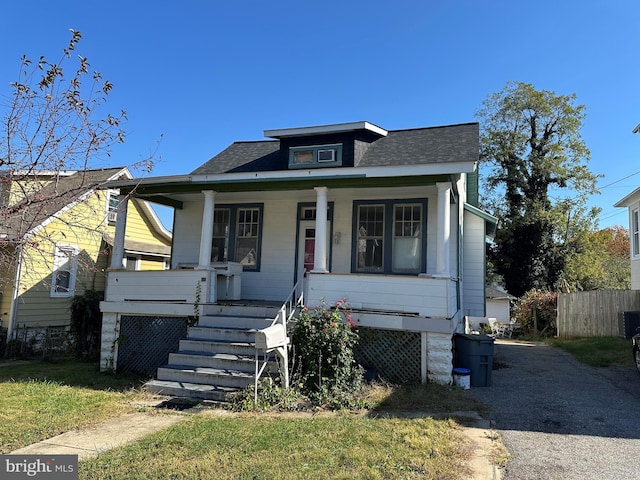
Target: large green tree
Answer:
pixel 537 181
pixel 600 260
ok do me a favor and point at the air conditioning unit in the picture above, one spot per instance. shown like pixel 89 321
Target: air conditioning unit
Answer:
pixel 112 216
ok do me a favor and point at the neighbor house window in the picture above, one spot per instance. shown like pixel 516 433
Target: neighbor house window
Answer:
pixel 635 231
pixel 315 156
pixel 65 267
pixel 113 200
pixel 237 235
pixel 390 237
pixel 133 262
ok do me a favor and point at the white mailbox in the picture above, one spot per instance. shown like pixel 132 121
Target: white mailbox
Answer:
pixel 271 337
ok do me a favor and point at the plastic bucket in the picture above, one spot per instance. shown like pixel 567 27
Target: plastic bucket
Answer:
pixel 462 378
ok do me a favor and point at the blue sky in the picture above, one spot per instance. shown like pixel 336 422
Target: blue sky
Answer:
pixel 204 73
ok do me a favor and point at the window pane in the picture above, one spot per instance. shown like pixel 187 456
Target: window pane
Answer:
pixel 113 202
pixel 328 155
pixel 247 238
pixel 220 243
pixel 246 252
pixel 370 238
pixel 63 281
pixel 303 156
pixel 407 238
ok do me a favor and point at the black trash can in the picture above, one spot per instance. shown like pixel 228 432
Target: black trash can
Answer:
pixel 629 322
pixel 474 352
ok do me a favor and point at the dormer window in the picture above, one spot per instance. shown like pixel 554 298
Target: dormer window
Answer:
pixel 315 156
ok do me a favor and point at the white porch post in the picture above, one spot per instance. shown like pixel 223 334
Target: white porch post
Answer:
pixel 206 234
pixel 117 254
pixel 444 229
pixel 320 254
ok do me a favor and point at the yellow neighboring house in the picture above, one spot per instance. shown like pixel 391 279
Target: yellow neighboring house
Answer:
pixel 55 242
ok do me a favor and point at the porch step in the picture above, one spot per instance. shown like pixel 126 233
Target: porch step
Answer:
pixel 217 346
pixel 218 355
pixel 223 333
pixel 240 310
pixel 234 321
pixel 205 376
pixel 223 361
pixel 191 391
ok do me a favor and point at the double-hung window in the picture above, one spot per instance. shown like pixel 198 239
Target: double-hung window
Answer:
pixel 65 268
pixel 389 236
pixel 237 232
pixel 635 232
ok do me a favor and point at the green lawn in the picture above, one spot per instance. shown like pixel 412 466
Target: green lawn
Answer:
pixel 260 447
pixel 597 351
pixel 42 400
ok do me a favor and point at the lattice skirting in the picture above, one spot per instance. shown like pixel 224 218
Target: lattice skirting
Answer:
pixel 393 354
pixel 145 342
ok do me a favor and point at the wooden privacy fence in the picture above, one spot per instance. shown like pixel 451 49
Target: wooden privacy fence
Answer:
pixel 594 314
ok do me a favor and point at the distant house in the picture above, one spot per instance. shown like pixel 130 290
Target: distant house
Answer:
pixel 632 203
pixel 56 239
pixel 386 219
pixel 499 304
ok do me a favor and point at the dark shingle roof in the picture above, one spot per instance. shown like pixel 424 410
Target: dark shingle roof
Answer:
pixel 420 146
pixel 20 218
pixel 456 143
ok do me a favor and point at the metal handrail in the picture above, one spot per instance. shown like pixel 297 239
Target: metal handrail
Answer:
pixel 285 313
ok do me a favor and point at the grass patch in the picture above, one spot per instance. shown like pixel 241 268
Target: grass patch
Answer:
pixel 597 351
pixel 41 400
pixel 430 398
pixel 252 447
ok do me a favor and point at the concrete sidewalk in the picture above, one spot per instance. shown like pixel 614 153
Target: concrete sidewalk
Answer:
pixel 93 440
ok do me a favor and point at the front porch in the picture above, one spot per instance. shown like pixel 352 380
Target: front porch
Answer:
pixel 419 310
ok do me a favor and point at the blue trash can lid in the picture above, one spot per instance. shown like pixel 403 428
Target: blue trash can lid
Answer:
pixel 462 371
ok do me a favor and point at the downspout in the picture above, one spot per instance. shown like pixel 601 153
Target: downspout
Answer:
pixel 13 311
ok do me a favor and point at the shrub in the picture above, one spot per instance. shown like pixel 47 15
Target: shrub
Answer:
pixel 86 323
pixel 536 312
pixel 323 340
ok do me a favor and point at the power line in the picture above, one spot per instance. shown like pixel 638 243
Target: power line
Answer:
pixel 618 181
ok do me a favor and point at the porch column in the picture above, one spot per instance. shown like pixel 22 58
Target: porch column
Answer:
pixel 206 234
pixel 444 228
pixel 117 254
pixel 320 254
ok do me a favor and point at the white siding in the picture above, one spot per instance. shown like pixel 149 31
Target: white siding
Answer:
pixel 274 281
pixel 473 266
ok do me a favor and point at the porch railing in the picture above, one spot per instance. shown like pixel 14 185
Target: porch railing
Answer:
pixel 274 338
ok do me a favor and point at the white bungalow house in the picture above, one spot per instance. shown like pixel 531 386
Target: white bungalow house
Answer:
pixel 632 203
pixel 385 219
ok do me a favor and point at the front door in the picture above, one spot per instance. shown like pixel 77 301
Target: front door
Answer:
pixel 307 247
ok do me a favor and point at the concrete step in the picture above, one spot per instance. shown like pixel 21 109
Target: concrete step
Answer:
pixel 222 361
pixel 222 334
pixel 234 321
pixel 212 346
pixel 205 375
pixel 191 391
pixel 241 311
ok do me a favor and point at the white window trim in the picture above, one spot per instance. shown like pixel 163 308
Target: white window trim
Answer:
pixel 58 262
pixel 634 232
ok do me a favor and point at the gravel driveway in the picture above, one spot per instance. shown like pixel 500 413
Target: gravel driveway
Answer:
pixel 561 419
